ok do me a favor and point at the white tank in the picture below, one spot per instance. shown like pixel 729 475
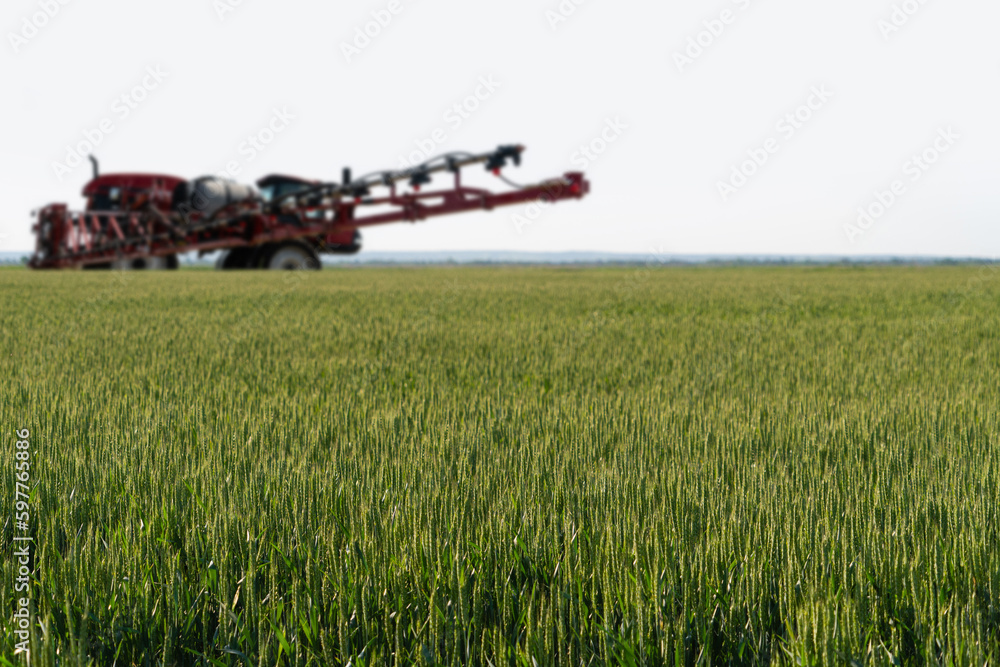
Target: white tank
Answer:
pixel 210 194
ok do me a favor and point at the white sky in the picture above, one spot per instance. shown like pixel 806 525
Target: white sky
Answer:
pixel 655 189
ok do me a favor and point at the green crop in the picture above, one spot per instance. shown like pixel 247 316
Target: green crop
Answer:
pixel 507 466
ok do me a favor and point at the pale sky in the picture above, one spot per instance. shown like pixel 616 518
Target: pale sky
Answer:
pixel 723 127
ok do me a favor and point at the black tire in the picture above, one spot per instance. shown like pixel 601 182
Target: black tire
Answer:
pixel 146 263
pixel 291 257
pixel 237 258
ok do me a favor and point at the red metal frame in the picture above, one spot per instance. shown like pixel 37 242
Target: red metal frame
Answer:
pixel 66 240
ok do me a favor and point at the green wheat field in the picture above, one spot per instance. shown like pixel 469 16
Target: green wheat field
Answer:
pixel 506 466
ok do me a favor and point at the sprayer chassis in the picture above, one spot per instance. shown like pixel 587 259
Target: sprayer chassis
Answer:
pixel 331 219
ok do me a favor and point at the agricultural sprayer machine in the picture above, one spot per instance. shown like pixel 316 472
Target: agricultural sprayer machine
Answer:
pixel 144 221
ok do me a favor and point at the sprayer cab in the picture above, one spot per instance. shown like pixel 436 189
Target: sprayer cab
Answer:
pixel 279 186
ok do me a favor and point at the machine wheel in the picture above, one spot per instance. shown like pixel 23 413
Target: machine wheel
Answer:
pixel 237 258
pixel 145 263
pixel 292 257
